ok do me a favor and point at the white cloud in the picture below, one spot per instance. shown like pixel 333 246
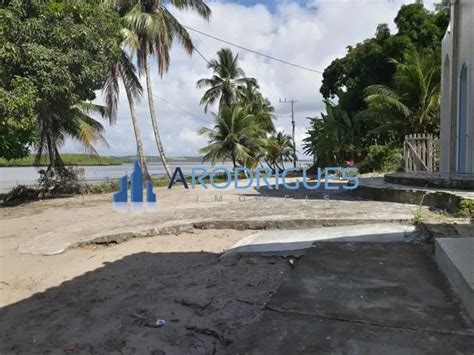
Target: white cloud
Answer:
pixel 311 35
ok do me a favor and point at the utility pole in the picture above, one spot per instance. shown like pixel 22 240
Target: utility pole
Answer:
pixel 292 102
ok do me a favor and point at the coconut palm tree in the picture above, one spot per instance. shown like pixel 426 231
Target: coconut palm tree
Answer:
pixel 259 106
pixel 156 29
pixel 123 70
pixel 279 148
pixel 412 105
pixel 235 136
pixel 227 81
pixel 75 123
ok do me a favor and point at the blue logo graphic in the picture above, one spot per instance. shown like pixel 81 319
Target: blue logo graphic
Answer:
pixel 120 198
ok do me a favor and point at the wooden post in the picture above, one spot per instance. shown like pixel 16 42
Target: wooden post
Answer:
pixel 430 152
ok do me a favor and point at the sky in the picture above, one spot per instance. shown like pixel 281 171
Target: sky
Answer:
pixel 309 33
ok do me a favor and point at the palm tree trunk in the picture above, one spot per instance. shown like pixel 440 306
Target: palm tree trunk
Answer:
pixel 154 122
pixel 138 136
pixel 233 159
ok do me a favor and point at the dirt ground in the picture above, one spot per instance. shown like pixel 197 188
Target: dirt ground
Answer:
pixel 107 299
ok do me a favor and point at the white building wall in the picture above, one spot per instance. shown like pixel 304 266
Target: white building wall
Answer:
pixel 458 48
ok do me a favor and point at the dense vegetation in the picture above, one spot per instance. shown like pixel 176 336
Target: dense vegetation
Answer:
pixel 68 159
pixel 53 57
pixel 382 89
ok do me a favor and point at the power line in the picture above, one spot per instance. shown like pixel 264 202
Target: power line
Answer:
pixel 202 56
pixel 181 109
pixel 253 51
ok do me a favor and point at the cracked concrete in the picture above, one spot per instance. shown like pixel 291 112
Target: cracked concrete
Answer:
pixel 51 227
pixel 369 298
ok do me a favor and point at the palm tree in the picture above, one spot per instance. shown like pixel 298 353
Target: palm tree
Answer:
pixel 74 122
pixel 155 29
pixel 124 70
pixel 227 81
pixel 259 106
pixel 279 148
pixel 412 105
pixel 235 136
pixel 331 138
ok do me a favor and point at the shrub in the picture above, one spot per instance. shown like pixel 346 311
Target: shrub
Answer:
pixel 381 158
pixel 466 208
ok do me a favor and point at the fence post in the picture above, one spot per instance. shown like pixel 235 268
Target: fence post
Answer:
pixel 430 152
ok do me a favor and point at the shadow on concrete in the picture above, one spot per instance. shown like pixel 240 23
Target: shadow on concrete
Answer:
pixel 114 308
pixel 362 298
pixel 296 242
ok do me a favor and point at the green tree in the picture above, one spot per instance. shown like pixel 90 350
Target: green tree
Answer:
pixel 227 82
pixel 376 63
pixel 412 103
pixel 368 63
pixel 424 28
pixel 235 136
pixel 331 138
pixel 63 49
pixel 18 124
pixel 155 29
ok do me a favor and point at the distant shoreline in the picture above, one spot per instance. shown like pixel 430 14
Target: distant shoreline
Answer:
pixel 92 160
pixel 89 160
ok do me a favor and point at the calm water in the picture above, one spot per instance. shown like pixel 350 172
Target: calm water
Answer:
pixel 11 177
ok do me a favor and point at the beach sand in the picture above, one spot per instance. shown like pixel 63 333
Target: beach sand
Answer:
pixel 107 298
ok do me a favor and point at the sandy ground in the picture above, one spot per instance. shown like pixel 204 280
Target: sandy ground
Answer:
pixel 106 299
pixel 24 275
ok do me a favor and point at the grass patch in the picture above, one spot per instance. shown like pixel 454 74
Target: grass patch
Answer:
pixel 418 215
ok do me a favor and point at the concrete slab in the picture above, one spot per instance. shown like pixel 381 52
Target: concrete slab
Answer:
pixel 392 284
pixel 362 298
pixel 287 333
pixel 455 257
pixel 290 242
pixel 76 221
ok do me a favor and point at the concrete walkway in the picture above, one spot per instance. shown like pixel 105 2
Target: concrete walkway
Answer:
pixel 376 188
pixel 295 242
pixel 361 298
pixel 50 227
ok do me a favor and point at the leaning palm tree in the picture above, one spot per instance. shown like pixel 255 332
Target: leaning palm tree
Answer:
pixel 227 81
pixel 156 29
pixel 412 105
pixel 77 123
pixel 123 70
pixel 235 136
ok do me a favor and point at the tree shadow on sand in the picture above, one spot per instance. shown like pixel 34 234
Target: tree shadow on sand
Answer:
pixel 115 307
